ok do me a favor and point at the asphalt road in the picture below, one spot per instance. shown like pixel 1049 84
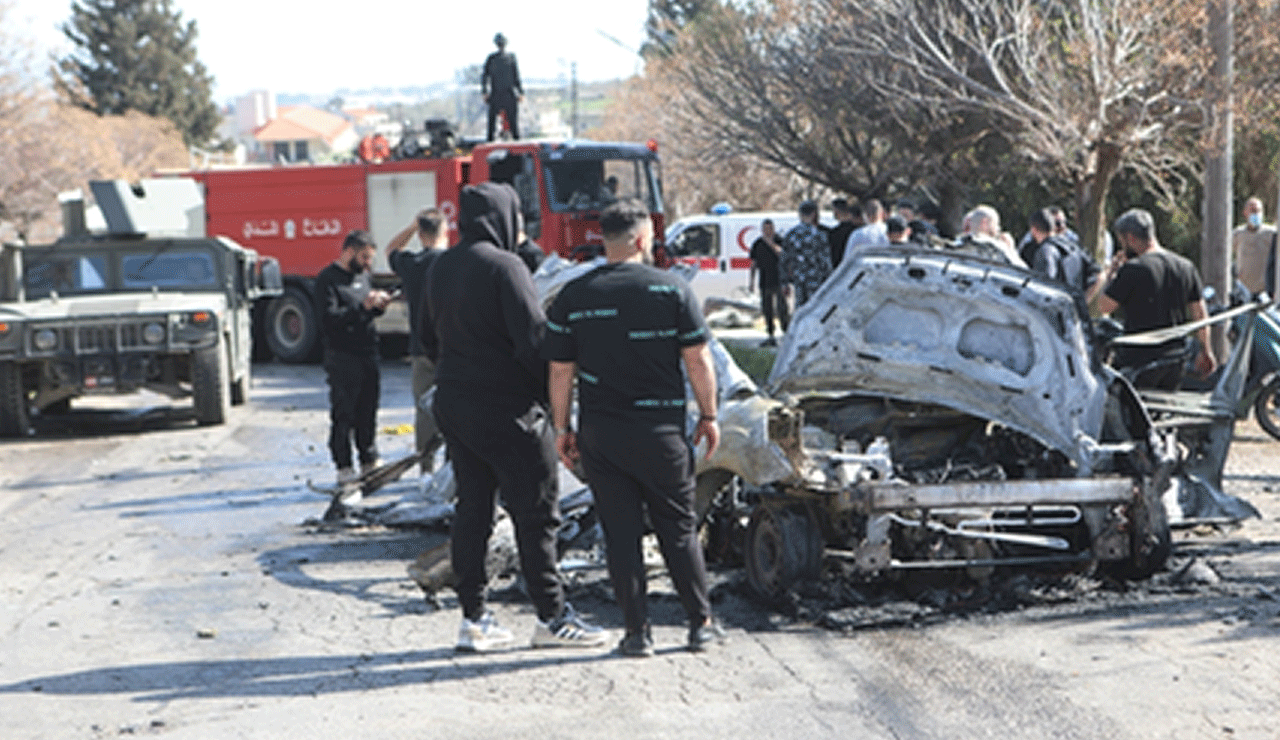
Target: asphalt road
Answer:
pixel 159 580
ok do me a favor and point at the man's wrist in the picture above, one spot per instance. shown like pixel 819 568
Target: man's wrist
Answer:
pixel 562 430
pixel 704 417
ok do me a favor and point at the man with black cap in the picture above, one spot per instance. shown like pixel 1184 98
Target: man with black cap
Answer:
pixel 897 230
pixel 490 404
pixel 806 254
pixel 501 88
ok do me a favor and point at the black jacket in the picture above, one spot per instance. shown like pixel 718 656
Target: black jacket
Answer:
pixel 345 324
pixel 501 76
pixel 488 322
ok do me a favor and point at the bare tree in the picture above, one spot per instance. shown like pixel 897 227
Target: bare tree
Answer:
pixel 1078 88
pixel 694 176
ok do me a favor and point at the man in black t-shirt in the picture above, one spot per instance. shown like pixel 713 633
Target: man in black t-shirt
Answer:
pixel 1156 289
pixel 765 251
pixel 411 267
pixel 347 304
pixel 623 330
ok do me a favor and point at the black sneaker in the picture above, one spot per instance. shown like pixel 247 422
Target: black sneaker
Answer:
pixel 703 636
pixel 770 342
pixel 636 645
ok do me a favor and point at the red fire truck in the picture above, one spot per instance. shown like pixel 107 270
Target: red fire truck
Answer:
pixel 299 213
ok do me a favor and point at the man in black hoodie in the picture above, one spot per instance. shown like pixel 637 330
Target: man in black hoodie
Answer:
pixel 490 404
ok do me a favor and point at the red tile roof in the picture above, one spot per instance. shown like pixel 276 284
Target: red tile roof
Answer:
pixel 302 122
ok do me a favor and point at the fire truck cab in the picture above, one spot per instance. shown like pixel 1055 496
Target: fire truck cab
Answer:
pixel 300 213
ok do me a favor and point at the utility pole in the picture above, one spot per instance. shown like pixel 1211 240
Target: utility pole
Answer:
pixel 573 99
pixel 1215 243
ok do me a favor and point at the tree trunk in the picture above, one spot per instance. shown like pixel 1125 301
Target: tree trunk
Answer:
pixel 1215 242
pixel 1091 200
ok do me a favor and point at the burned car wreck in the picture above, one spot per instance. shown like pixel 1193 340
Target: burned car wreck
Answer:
pixel 930 409
pixel 926 410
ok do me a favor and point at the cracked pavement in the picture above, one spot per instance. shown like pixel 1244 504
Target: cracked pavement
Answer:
pixel 159 580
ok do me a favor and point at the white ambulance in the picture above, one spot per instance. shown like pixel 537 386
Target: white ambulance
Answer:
pixel 719 244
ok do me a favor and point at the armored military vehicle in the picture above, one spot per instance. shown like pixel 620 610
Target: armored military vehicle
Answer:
pixel 128 309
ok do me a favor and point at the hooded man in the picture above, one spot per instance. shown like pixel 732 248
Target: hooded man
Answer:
pixel 490 404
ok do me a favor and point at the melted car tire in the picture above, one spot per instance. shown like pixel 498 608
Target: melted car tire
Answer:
pixel 292 330
pixel 1150 540
pixel 783 547
pixel 1267 408
pixel 15 418
pixel 210 388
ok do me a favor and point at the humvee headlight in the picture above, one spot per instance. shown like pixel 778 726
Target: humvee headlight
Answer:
pixel 153 333
pixel 45 340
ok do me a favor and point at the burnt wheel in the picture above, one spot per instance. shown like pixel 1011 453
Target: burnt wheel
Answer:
pixel 783 546
pixel 1150 540
pixel 1267 407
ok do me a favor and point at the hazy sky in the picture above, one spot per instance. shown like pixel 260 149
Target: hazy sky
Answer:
pixel 318 47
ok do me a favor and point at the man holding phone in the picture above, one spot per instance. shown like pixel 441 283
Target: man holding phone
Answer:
pixel 347 304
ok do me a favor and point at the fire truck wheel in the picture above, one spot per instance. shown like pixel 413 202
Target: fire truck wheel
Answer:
pixel 210 385
pixel 292 331
pixel 14 417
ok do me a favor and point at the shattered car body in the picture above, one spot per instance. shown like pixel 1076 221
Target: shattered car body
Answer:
pixel 931 409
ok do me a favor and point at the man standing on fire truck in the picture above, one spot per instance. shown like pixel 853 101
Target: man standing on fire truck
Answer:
pixel 347 304
pixel 500 85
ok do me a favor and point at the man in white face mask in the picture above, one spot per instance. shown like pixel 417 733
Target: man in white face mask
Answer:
pixel 1251 246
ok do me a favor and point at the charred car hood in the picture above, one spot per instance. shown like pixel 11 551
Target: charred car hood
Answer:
pixel 944 328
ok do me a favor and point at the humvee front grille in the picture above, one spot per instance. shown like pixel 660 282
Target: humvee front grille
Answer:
pixel 130 336
pixel 96 339
pixel 109 338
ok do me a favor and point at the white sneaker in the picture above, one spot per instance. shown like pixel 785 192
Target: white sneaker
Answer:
pixel 570 630
pixel 483 634
pixel 348 490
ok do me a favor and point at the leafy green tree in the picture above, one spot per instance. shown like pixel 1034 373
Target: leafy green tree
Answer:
pixel 138 55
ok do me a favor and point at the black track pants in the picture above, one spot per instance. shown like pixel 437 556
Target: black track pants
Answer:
pixel 499 444
pixel 631 468
pixel 354 387
pixel 508 105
